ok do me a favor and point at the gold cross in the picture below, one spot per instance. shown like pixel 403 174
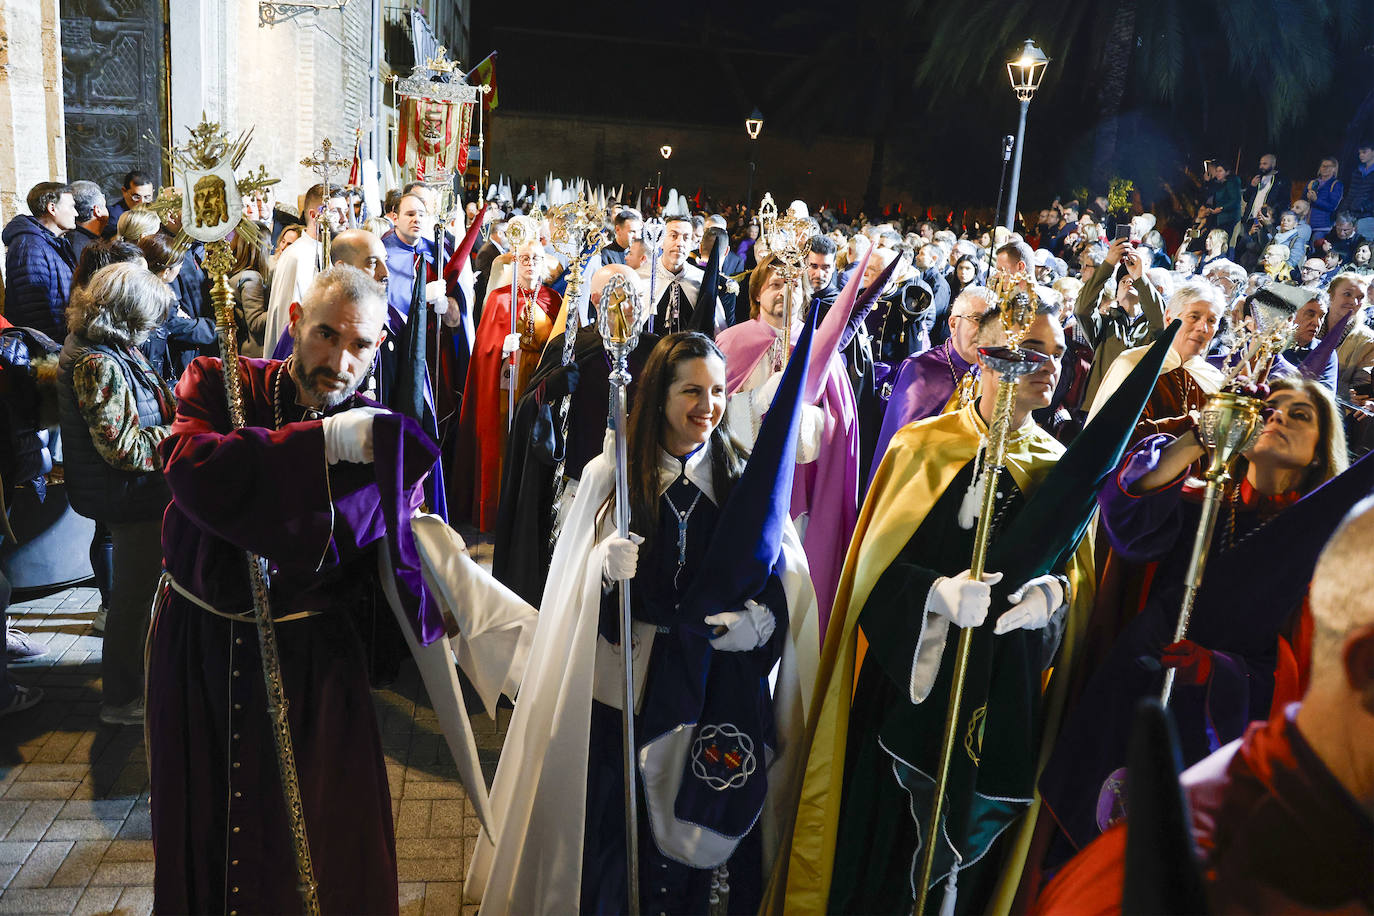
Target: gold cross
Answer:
pixel 323 163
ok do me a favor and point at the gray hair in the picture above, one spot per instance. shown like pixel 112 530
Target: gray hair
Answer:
pixel 1194 291
pixel 976 297
pixel 87 196
pixel 350 283
pixel 120 305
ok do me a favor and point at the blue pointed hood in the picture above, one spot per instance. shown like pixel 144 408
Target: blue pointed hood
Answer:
pixel 749 534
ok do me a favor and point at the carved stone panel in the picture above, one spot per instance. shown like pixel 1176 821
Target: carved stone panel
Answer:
pixel 113 85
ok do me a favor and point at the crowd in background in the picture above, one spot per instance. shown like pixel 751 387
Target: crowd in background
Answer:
pixel 105 309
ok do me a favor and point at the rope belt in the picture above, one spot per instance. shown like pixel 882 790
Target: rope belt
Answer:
pixel 241 617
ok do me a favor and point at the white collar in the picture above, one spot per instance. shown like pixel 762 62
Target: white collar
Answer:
pixel 697 470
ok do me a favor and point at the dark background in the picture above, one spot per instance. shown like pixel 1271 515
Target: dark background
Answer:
pixel 926 83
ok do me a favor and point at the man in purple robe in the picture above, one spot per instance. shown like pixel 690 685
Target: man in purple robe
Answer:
pixel 314 483
pixel 928 382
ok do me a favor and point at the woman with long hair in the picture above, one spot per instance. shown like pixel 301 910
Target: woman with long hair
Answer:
pixel 247 280
pixel 559 790
pixel 1273 518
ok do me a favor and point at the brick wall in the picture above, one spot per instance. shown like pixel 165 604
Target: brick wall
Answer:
pixel 525 145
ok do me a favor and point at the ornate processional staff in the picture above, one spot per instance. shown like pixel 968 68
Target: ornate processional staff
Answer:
pixel 577 232
pixel 789 238
pixel 1016 309
pixel 1228 425
pixel 211 208
pixel 618 321
pixel 324 163
pixel 518 231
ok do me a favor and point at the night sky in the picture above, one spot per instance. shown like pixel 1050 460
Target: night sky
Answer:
pixel 711 62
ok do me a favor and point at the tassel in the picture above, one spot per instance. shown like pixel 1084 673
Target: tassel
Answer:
pixel 973 496
pixel 719 902
pixel 951 892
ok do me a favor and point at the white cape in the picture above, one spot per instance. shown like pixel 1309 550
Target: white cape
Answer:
pixel 531 861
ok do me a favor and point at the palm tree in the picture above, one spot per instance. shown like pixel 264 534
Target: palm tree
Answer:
pixel 1219 66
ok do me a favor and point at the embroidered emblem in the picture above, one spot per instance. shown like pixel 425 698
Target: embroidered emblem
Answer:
pixel 723 757
pixel 973 740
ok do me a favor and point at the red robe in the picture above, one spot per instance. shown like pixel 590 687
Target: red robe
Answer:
pixel 475 480
pixel 1277 834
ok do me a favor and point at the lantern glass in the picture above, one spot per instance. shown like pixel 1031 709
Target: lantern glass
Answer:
pixel 1027 70
pixel 754 124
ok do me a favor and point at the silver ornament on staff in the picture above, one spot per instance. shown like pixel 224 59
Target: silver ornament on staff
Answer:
pixel 1228 425
pixel 652 235
pixel 618 321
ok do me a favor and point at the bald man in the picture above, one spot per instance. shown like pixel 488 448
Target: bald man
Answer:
pixel 355 248
pixel 521 552
pixel 361 249
pixel 1283 817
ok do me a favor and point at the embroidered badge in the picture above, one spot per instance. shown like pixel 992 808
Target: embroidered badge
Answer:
pixel 723 757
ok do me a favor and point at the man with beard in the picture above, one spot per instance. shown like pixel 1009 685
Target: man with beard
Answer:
pixel 314 483
pixel 820 272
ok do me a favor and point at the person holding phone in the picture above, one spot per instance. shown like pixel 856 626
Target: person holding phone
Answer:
pixel 1129 317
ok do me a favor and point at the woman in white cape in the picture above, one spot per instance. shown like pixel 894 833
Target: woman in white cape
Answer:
pixel 720 703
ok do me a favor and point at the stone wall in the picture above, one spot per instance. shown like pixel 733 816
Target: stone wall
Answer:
pixel 525 145
pixel 32 145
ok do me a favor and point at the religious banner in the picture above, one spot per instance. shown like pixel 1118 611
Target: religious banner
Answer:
pixel 434 137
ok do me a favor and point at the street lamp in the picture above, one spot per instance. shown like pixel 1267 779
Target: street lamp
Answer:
pixel 1025 73
pixel 753 125
pixel 665 151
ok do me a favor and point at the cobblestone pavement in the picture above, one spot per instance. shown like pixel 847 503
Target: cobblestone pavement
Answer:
pixel 74 820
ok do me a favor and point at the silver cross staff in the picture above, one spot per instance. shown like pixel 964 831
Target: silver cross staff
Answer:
pixel 652 234
pixel 618 321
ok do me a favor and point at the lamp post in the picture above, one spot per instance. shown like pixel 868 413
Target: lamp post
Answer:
pixel 665 151
pixel 754 126
pixel 1025 73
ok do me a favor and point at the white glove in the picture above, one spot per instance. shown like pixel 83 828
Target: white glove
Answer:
pixel 510 345
pixel 745 629
pixel 765 393
pixel 435 293
pixel 348 435
pixel 1032 605
pixel 622 557
pixel 964 602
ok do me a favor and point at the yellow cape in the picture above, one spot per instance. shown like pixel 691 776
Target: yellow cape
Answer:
pixel 920 464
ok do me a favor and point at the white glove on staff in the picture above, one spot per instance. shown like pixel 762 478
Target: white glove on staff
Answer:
pixel 510 345
pixel 1032 605
pixel 435 292
pixel 622 557
pixel 961 600
pixel 745 629
pixel 348 435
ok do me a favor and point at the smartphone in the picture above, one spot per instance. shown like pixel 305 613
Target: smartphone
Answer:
pixel 1123 231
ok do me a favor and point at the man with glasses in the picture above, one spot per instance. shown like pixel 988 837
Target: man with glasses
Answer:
pixel 138 192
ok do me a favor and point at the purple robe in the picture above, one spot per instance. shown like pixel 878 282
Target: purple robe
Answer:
pixel 827 488
pixel 925 383
pixel 220 831
pixel 1255 580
